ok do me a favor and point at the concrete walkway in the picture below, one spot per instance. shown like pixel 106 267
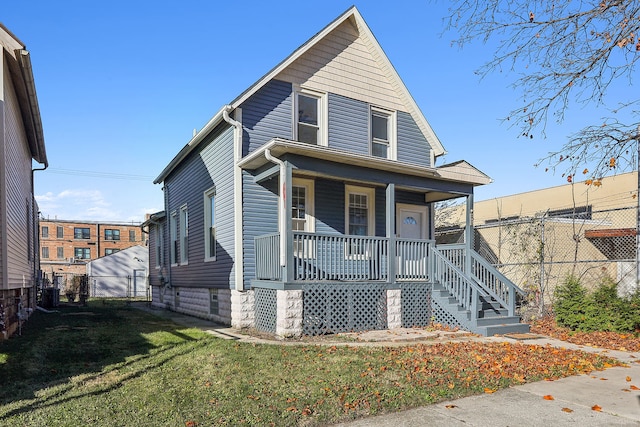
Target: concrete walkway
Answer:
pixel 574 397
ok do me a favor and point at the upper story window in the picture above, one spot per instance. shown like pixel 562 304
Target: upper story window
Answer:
pixel 45 231
pixel 60 251
pixel 132 235
pixel 110 234
pixel 382 133
pixel 81 233
pixel 45 252
pixel 310 117
pixel 110 251
pixel 59 232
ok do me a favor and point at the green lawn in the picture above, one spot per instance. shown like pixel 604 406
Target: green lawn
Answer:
pixel 109 364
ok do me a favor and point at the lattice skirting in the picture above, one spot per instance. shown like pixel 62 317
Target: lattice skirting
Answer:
pixel 266 309
pixel 416 305
pixel 334 308
pixel 444 317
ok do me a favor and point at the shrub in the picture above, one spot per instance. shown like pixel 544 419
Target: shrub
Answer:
pixel 601 310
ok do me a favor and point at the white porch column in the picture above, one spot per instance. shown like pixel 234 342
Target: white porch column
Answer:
pixel 468 231
pixel 289 314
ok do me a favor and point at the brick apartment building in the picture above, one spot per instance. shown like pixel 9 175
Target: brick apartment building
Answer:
pixel 67 246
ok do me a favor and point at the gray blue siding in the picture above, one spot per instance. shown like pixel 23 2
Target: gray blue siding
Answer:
pixel 412 145
pixel 267 114
pixel 260 217
pixel 348 124
pixel 210 166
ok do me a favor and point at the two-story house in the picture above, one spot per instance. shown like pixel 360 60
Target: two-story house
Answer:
pixel 304 206
pixel 21 143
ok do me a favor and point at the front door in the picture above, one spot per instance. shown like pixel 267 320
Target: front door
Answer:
pixel 411 223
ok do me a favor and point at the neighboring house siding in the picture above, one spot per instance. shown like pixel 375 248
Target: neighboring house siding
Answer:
pixel 19 217
pixel 348 124
pixel 343 62
pixel 260 217
pixel 267 114
pixel 412 145
pixel 212 166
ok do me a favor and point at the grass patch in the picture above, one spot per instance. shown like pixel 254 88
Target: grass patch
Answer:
pixel 107 365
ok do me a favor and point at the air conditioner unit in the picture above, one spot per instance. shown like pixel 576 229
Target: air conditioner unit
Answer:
pixel 72 260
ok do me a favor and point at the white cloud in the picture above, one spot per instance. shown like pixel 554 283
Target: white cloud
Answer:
pixel 73 204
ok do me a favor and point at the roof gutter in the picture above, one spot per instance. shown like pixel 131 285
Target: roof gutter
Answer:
pixel 237 193
pixel 24 59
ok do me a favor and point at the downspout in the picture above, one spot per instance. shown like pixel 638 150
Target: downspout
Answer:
pixel 36 228
pixel 237 194
pixel 283 208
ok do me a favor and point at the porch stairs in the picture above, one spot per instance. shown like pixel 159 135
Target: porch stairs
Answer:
pixel 472 294
pixel 491 319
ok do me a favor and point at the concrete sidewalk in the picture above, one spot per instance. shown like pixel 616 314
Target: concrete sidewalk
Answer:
pixel 573 398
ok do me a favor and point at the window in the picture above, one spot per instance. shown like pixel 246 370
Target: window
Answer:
pixel 111 234
pixel 111 251
pixel 173 230
pixel 159 245
pixel 359 202
pixel 45 231
pixel 82 253
pixel 309 117
pixel 214 307
pixel 45 252
pixel 210 224
pixel 302 214
pixel 81 233
pixel 184 234
pixel 132 235
pixel 59 232
pixel 382 133
pixel 60 254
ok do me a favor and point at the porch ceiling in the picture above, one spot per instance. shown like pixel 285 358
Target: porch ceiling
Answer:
pixel 279 147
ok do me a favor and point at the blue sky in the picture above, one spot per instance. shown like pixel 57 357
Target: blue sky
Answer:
pixel 122 85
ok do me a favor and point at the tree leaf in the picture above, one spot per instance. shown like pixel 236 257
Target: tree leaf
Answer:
pixel 596 408
pixel 548 397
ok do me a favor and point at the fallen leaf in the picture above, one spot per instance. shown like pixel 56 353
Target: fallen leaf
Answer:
pixel 567 410
pixel 628 378
pixel 604 379
pixel 450 406
pixel 489 390
pixel 596 408
pixel 632 387
pixel 548 397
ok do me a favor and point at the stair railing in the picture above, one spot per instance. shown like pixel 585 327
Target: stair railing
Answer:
pixel 459 285
pixel 494 282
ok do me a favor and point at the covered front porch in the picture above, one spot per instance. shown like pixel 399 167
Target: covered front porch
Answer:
pixel 369 261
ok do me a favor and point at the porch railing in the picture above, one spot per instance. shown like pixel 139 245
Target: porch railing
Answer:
pixel 332 257
pixel 492 281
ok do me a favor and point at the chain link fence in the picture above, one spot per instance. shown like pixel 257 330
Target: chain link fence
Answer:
pixel 538 253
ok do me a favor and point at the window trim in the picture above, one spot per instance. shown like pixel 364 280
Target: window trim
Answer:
pixel 392 131
pixel 45 249
pixel 309 213
pixel 370 192
pixel 59 232
pixel 209 227
pixel 173 238
pixel 159 229
pixel 45 232
pixel 110 234
pixel 184 235
pixel 322 114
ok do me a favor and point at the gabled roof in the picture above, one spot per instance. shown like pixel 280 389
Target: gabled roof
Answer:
pixel 22 74
pixel 382 61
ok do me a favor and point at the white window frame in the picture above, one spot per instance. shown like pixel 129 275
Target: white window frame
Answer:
pixel 392 150
pixel 322 114
pixel 159 245
pixel 184 235
pixel 309 214
pixel 173 232
pixel 209 225
pixel 370 192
